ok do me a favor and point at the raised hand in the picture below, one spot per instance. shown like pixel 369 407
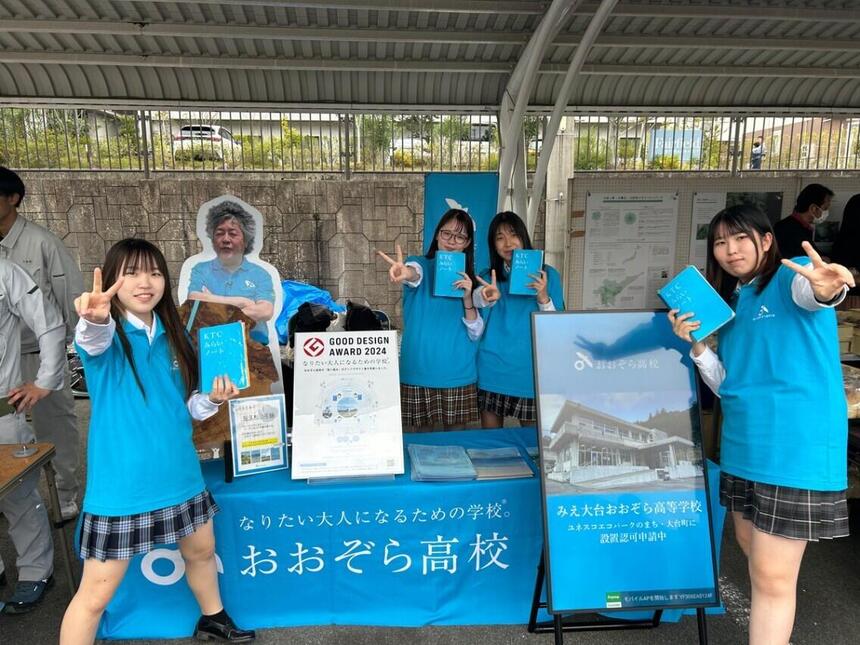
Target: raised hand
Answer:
pixel 539 284
pixel 827 279
pixel 95 305
pixel 397 271
pixel 491 292
pixel 682 325
pixel 464 283
pixel 223 389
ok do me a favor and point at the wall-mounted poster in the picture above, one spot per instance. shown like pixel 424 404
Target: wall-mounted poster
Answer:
pixel 627 521
pixel 346 405
pixel 629 249
pixel 706 205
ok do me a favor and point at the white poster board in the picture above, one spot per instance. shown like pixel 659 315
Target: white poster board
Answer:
pixel 346 405
pixel 705 206
pixel 629 249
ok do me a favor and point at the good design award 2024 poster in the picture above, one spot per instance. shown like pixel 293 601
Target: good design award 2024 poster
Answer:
pixel 346 406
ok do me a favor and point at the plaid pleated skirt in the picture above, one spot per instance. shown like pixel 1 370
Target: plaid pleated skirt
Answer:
pixel 518 407
pixel 107 537
pixel 794 513
pixel 431 407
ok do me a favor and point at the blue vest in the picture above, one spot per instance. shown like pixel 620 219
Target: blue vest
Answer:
pixel 140 456
pixel 505 354
pixel 436 350
pixel 783 400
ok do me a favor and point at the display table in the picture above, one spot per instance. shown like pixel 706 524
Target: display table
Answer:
pixel 14 469
pixel 390 552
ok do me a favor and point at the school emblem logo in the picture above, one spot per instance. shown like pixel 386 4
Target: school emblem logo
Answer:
pixel 313 347
pixel 763 312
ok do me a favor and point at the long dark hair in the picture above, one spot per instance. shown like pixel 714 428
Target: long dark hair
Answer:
pixel 516 224
pixel 846 249
pixel 468 226
pixel 743 218
pixel 138 253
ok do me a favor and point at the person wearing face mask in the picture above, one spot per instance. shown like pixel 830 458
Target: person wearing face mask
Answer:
pixel 810 209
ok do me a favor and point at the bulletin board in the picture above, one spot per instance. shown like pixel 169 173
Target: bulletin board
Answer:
pixel 686 187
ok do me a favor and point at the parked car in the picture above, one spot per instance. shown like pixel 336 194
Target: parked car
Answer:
pixel 202 142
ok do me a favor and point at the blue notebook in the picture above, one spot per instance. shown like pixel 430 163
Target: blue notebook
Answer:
pixel 449 265
pixel 222 350
pixel 525 264
pixel 690 291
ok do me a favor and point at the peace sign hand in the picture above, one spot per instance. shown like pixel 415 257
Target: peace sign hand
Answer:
pixel 397 272
pixel 491 292
pixel 95 305
pixel 827 279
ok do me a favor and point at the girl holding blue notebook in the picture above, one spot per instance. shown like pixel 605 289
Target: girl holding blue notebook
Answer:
pixel 144 485
pixel 505 370
pixel 783 439
pixel 440 334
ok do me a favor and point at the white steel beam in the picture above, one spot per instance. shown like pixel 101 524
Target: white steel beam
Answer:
pixel 427 6
pixel 396 65
pixel 595 26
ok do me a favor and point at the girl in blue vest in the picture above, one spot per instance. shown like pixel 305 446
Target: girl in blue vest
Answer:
pixel 783 441
pixel 440 334
pixel 144 485
pixel 505 371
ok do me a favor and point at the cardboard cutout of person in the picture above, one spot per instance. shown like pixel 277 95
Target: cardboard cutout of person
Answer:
pixel 230 271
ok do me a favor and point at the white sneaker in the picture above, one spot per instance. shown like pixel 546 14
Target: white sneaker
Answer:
pixel 69 510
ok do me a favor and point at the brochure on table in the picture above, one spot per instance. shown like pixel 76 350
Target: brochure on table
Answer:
pixel 624 492
pixel 258 432
pixel 346 405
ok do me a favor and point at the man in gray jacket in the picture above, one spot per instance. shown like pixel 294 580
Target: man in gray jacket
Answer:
pixel 23 305
pixel 42 255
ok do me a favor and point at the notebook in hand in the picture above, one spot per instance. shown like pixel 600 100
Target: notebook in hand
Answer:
pixel 222 350
pixel 690 291
pixel 524 264
pixel 449 265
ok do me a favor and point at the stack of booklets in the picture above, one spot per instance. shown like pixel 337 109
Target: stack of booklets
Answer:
pixel 499 463
pixel 440 463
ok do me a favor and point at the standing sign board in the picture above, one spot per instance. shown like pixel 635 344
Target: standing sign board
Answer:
pixel 625 499
pixel 346 405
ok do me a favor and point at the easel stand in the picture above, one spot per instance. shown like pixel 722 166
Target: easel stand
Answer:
pixel 559 625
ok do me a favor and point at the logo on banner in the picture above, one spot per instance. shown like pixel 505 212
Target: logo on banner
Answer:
pixel 313 347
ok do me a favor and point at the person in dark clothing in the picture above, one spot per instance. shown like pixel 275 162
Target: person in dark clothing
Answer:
pixel 812 207
pixel 846 249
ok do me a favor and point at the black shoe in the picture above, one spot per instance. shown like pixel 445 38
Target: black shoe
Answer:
pixel 208 629
pixel 28 594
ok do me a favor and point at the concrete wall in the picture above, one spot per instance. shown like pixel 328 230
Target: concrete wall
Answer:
pixel 321 230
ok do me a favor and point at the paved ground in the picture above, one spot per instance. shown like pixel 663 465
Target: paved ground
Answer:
pixel 828 607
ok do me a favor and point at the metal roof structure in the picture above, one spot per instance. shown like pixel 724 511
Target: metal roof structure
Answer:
pixel 427 54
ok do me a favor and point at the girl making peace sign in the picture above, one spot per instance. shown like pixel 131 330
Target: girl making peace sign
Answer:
pixel 505 372
pixel 784 431
pixel 144 485
pixel 437 356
